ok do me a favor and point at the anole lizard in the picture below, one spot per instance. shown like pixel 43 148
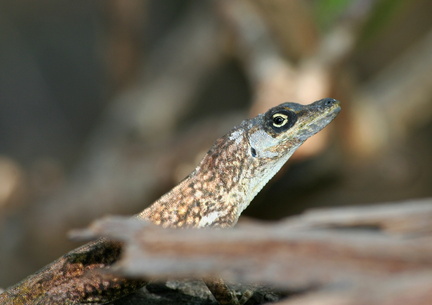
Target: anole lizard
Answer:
pixel 233 171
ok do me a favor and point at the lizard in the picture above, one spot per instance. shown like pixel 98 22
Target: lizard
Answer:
pixel 233 171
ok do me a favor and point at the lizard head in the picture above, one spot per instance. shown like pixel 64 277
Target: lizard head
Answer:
pixel 239 164
pixel 282 129
pixel 271 138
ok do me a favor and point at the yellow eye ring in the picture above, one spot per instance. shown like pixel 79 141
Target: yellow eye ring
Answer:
pixel 279 120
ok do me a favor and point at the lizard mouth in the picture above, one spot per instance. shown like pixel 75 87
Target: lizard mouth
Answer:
pixel 318 116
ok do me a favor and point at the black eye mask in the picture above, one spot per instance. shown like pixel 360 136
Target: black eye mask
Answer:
pixel 280 120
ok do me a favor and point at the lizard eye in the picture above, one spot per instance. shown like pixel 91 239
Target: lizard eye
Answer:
pixel 280 120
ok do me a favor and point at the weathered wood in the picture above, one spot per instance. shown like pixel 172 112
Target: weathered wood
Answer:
pixel 342 253
pixel 412 217
pixel 411 289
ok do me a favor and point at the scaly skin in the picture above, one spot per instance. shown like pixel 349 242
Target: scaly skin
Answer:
pixel 230 175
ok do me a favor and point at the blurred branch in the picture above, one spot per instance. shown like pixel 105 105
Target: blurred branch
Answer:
pixel 339 261
pixel 269 73
pixel 395 101
pixel 291 24
pixel 273 76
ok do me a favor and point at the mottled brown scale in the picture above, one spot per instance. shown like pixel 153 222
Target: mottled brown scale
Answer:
pixel 75 278
pixel 204 191
pixel 230 175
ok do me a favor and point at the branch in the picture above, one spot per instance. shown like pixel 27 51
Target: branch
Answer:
pixel 333 251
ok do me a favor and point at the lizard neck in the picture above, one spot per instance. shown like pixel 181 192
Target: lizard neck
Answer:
pixel 212 194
